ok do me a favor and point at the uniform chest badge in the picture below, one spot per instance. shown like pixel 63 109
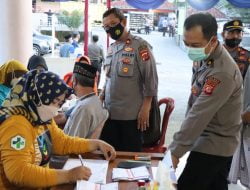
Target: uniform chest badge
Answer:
pixel 128 41
pixel 194 90
pixel 129 49
pixel 125 69
pixel 242 58
pixel 210 85
pixel 126 61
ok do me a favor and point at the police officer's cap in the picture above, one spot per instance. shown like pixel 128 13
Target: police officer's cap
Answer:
pixel 233 25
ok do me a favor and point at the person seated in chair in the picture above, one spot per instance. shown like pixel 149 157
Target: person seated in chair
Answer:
pixel 88 116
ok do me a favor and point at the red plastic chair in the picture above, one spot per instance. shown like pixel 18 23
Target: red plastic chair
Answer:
pixel 159 146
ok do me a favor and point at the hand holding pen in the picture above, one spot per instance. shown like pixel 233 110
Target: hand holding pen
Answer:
pixel 79 173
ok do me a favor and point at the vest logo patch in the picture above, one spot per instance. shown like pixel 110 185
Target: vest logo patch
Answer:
pixel 17 142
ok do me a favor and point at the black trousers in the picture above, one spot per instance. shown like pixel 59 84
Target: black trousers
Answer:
pixel 123 135
pixel 205 172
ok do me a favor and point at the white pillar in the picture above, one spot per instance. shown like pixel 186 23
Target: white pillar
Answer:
pixel 15 30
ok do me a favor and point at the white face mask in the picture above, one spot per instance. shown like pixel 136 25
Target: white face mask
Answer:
pixel 47 112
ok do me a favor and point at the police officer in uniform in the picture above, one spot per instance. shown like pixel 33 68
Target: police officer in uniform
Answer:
pixel 212 123
pixel 232 35
pixel 131 82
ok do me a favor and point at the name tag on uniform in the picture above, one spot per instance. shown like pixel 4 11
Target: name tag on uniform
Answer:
pixel 127 54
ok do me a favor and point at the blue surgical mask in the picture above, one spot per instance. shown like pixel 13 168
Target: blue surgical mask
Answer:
pixel 198 54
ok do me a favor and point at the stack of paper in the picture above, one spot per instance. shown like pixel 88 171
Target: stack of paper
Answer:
pixel 82 185
pixel 130 174
pixel 98 168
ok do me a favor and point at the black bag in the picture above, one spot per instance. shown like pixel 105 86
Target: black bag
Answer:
pixel 153 133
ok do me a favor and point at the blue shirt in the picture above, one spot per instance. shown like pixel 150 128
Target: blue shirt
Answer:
pixel 66 50
pixel 4 91
pixel 75 44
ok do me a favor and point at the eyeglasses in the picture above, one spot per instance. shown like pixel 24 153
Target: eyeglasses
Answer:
pixel 58 102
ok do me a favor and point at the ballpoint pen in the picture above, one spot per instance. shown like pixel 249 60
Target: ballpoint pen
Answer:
pixel 80 157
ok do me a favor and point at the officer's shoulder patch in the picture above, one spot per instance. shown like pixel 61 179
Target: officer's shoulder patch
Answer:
pixel 210 85
pixel 17 142
pixel 244 52
pixel 144 52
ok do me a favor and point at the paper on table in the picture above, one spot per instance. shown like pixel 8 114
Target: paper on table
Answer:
pixel 82 185
pixel 130 174
pixel 154 171
pixel 167 160
pixel 98 168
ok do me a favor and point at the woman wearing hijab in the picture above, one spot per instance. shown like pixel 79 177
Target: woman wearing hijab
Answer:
pixel 29 135
pixel 37 62
pixel 9 74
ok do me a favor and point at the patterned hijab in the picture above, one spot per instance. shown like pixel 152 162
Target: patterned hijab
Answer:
pixel 23 99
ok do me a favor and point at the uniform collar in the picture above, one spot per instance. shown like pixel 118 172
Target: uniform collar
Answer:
pixel 216 53
pixel 120 46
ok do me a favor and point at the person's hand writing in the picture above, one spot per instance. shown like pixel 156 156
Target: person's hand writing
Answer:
pixel 79 173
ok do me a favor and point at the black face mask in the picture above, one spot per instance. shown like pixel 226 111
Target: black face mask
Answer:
pixel 232 43
pixel 116 31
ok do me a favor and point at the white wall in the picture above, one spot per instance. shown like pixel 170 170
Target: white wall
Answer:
pixel 15 30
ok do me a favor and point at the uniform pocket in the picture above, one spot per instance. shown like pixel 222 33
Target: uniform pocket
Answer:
pixel 126 67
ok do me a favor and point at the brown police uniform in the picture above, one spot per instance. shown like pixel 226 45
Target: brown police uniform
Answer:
pixel 212 124
pixel 131 76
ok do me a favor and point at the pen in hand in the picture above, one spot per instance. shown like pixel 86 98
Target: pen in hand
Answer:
pixel 85 172
pixel 81 160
